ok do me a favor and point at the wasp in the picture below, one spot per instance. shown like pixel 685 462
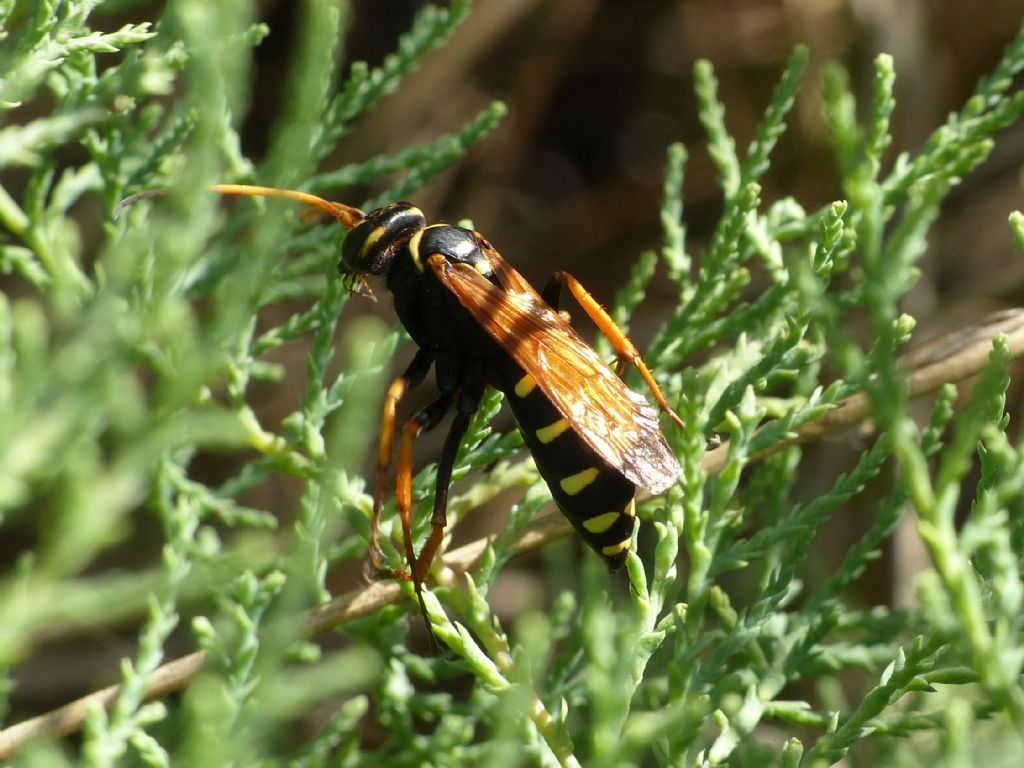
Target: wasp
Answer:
pixel 478 323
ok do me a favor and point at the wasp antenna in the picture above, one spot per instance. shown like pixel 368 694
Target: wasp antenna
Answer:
pixel 132 199
pixel 346 215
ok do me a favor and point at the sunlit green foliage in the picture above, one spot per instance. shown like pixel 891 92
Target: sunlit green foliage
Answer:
pixel 127 353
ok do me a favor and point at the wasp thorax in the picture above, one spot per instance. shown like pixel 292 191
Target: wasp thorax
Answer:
pixel 454 243
pixel 371 244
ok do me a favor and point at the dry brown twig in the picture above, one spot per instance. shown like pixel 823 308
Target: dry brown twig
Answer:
pixel 948 359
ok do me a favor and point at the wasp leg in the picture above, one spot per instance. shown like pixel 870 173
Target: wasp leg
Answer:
pixel 624 348
pixel 552 293
pixel 424 420
pixel 470 394
pixel 413 375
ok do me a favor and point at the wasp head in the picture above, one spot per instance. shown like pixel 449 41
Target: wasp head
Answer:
pixel 371 245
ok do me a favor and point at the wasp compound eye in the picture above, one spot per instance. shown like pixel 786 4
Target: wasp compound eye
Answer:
pixel 371 245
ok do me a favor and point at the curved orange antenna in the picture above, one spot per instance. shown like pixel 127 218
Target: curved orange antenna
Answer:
pixel 345 214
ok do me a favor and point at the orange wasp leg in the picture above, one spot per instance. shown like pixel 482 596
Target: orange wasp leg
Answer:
pixel 413 375
pixel 424 420
pixel 624 348
pixel 468 391
pixel 403 500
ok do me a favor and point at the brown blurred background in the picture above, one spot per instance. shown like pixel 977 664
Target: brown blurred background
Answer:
pixel 597 90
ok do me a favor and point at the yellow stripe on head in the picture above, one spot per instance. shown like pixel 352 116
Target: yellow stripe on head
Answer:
pixel 370 241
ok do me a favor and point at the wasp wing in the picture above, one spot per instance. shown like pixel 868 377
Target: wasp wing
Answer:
pixel 616 422
pixel 507 275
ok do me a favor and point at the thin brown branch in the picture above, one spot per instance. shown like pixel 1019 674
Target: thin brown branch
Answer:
pixel 946 360
pixel 67 719
pixel 949 359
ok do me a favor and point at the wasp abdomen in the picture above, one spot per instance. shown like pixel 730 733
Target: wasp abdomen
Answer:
pixel 596 498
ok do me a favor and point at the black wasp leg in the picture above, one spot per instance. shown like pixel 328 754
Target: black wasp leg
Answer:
pixel 413 375
pixel 552 293
pixel 470 394
pixel 623 347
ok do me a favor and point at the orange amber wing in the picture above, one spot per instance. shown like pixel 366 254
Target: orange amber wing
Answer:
pixel 612 419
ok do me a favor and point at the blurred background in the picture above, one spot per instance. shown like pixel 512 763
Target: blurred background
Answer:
pixel 597 90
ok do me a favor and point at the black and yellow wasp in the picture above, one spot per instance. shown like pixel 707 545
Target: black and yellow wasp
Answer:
pixel 478 323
